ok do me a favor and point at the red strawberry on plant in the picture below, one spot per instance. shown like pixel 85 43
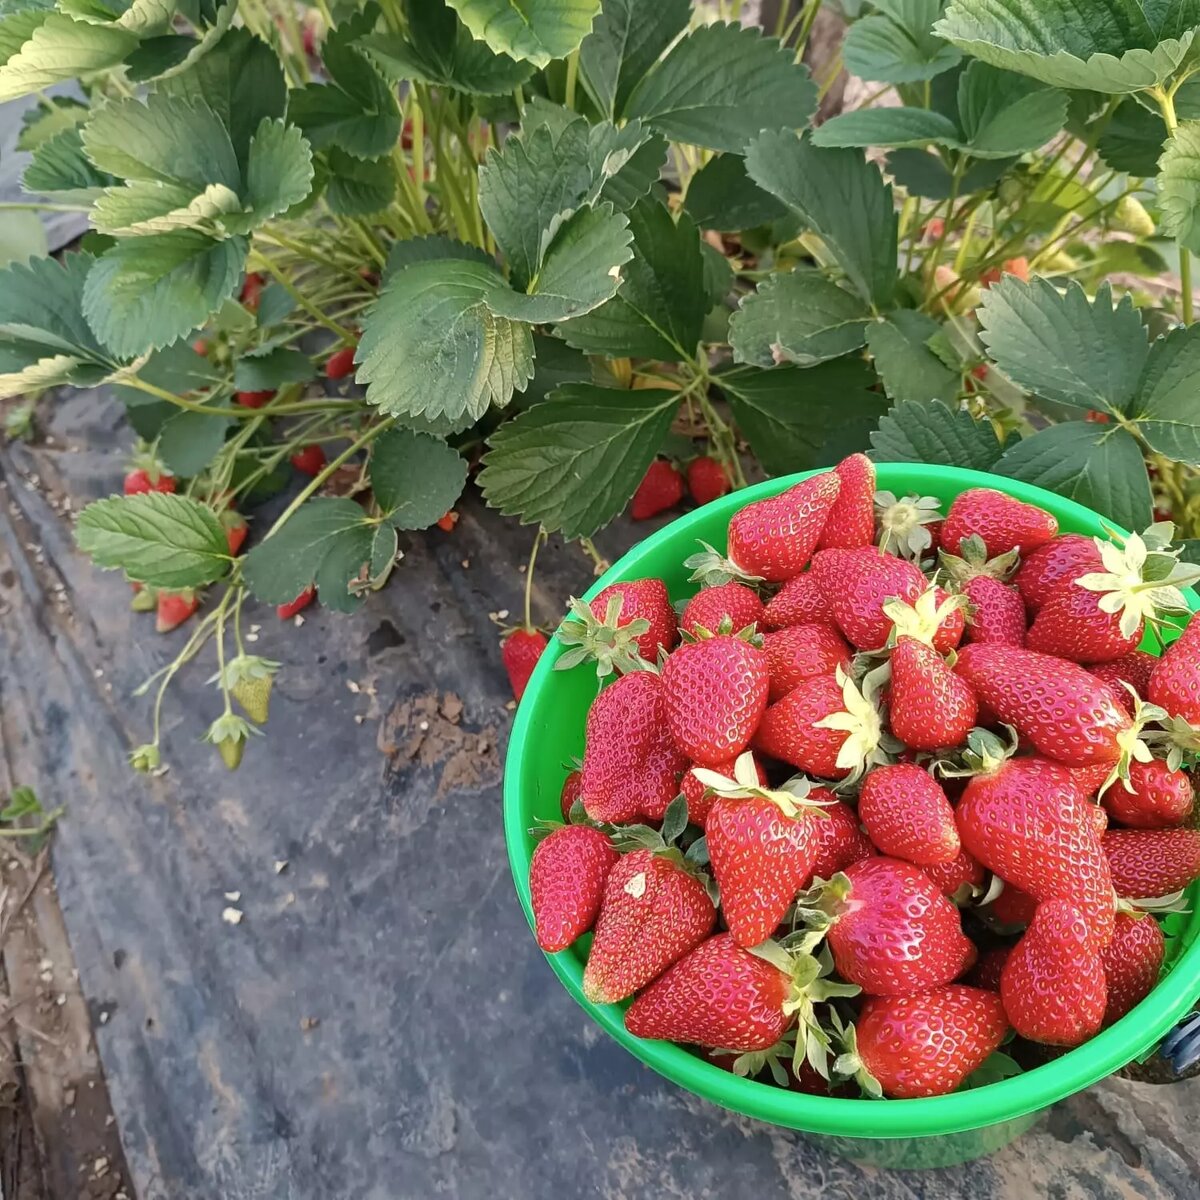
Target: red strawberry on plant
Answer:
pixel 1060 561
pixel 760 847
pixel 1000 521
pixel 235 528
pixel 251 292
pixel 715 691
pixel 1175 681
pixel 706 479
pixel 660 491
pixel 851 520
pixel 148 479
pixel 447 521
pixel 309 460
pixel 1024 819
pixel 907 815
pixel 254 399
pixel 285 612
pixel 837 837
pixel 629 761
pixel 1134 669
pixel 520 652
pixel 700 796
pixel 340 363
pixel 959 878
pixel 893 932
pixel 909 526
pixel 174 607
pixel 653 912
pixel 1132 961
pixel 801 601
pixel 799 652
pixel 926 1045
pixel 566 883
pixel 1053 985
pixel 824 726
pixel 772 539
pixel 1063 710
pixel 1154 796
pixel 1149 863
pixel 711 606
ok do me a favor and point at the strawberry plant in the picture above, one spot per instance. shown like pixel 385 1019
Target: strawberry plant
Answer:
pixel 597 250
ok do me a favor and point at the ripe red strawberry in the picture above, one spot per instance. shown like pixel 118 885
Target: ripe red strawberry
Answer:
pixel 931 707
pixel 799 652
pixel 1062 560
pixel 1090 779
pixel 898 935
pixel 641 600
pixel 661 490
pixel 824 726
pixel 987 971
pixel 340 363
pixel 309 460
pixel 857 584
pixel 1026 821
pixel 252 287
pixel 1098 816
pixel 1156 797
pixel 235 528
pixel 924 1045
pixel 1134 669
pixel 700 796
pixel 520 652
pixel 773 539
pixel 837 838
pixel 710 606
pixel 1013 906
pixel 801 601
pixel 254 399
pixel 960 876
pixel 572 788
pixel 715 691
pixel 1175 681
pixel 1063 710
pixel 1053 983
pixel 566 882
pixel 1131 963
pixel 1072 625
pixel 706 479
pixel 285 612
pixel 173 608
pixel 653 912
pixel 630 765
pixel 1003 523
pixel 447 521
pixel 142 480
pixel 1148 863
pixel 998 612
pixel 720 996
pixel 908 816
pixel 851 521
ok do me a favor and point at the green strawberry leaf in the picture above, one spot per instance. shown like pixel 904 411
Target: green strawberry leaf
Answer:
pixel 660 307
pixel 722 196
pixel 40 48
pixel 1101 466
pixel 189 441
pixel 1063 346
pixel 1109 46
pixel 1179 186
pixel 22 237
pixel 41 122
pixel 266 370
pixel 328 542
pixel 625 42
pixel 416 478
pixel 799 317
pixel 935 433
pixel 1003 114
pixel 908 366
pixel 889 127
pixel 720 85
pixel 573 463
pixel 167 541
pixel 896 44
pixel 841 197
pixel 1165 410
pixel 533 31
pixel 923 174
pixel 358 187
pixel 796 419
pixel 1133 140
pixel 278 177
pixel 555 364
pixel 60 165
pixel 439 51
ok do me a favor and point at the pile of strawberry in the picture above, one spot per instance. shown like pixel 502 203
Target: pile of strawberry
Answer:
pixel 894 789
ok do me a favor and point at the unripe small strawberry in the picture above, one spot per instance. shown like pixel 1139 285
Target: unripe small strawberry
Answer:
pixel 340 363
pixel 447 521
pixel 287 611
pixel 1131 216
pixel 174 608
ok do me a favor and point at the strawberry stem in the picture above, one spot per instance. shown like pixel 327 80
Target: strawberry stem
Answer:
pixel 538 539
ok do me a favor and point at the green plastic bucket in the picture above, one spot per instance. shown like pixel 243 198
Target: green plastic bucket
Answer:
pixel 933 1132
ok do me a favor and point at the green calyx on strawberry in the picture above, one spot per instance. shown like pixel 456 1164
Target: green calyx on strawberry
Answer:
pixel 248 679
pixel 866 743
pixel 904 523
pixel 972 561
pixel 792 797
pixel 664 843
pixel 848 1064
pixel 230 733
pixel 1176 739
pixel 710 568
pixel 145 758
pixel 611 643
pixel 925 618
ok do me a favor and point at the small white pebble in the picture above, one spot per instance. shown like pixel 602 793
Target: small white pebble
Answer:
pixel 252 637
pixel 359 718
pixel 298 620
pixel 424 726
pixel 98 673
pixel 104 1018
pixel 280 865
pixel 233 895
pixel 232 916
pixel 255 628
pixel 466 562
pixel 62 999
pixel 352 686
